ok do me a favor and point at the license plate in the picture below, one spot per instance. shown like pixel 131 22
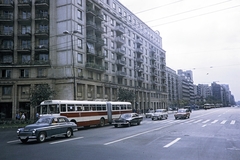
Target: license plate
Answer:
pixel 23 137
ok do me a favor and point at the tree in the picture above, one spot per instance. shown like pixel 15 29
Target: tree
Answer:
pixel 40 93
pixel 125 95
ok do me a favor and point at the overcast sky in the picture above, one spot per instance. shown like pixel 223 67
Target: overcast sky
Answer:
pixel 198 35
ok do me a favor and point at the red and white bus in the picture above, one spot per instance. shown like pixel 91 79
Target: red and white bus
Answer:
pixel 85 113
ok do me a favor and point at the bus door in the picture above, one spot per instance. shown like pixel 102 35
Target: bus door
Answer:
pixel 109 112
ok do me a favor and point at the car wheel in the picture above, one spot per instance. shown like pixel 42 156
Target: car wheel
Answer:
pixel 102 122
pixel 129 124
pixel 138 123
pixel 69 133
pixel 24 140
pixel 41 137
pixel 115 125
pixel 166 116
pixel 175 117
pixel 153 119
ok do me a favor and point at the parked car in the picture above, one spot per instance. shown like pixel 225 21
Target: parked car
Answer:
pixel 127 119
pixel 182 113
pixel 47 127
pixel 160 114
pixel 149 114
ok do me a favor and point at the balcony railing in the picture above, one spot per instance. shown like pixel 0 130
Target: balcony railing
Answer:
pixel 95 67
pixel 120 29
pixel 121 73
pixel 6 33
pixel 42 3
pixel 120 51
pixel 120 62
pixel 6 17
pixel 6 3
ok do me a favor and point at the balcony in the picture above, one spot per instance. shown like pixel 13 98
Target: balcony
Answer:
pixel 139 69
pixel 152 50
pixel 139 41
pixel 139 78
pixel 26 48
pixel 95 67
pixel 41 62
pixel 41 48
pixel 120 62
pixel 119 40
pixel 154 66
pixel 154 73
pixel 99 17
pixel 120 51
pixel 99 29
pixel 99 42
pixel 121 74
pixel 6 3
pixel 120 29
pixel 154 82
pixel 24 3
pixel 24 18
pixel 6 33
pixel 6 49
pixel 153 57
pixel 139 50
pixel 91 38
pixel 6 17
pixel 91 11
pixel 41 32
pixel 41 17
pixel 42 3
pixel 91 25
pixel 139 60
pixel 24 34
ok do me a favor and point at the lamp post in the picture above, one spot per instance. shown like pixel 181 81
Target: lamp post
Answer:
pixel 73 62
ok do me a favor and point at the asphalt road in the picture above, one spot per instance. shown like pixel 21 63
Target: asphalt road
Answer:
pixel 207 135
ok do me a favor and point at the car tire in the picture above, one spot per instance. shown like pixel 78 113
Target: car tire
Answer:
pixel 102 122
pixel 24 140
pixel 41 137
pixel 138 123
pixel 69 133
pixel 115 125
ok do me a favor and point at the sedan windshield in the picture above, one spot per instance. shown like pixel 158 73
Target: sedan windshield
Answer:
pixel 181 110
pixel 125 116
pixel 44 120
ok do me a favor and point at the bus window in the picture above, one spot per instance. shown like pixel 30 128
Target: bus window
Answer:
pixel 104 107
pixel 93 107
pixel 86 107
pixel 44 109
pixel 70 107
pixel 63 108
pixel 123 107
pixel 129 106
pixel 79 107
pixel 99 107
pixel 53 109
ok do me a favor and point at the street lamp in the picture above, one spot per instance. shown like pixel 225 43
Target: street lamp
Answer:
pixel 73 62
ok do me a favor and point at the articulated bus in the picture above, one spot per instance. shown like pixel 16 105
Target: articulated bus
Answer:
pixel 85 113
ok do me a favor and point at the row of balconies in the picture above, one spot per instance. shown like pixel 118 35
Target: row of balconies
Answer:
pixel 10 17
pixel 93 12
pixel 23 3
pixel 28 62
pixel 24 33
pixel 25 48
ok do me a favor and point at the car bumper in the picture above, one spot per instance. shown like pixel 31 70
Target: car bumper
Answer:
pixel 180 116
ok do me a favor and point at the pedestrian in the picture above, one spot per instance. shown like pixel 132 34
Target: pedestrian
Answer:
pixel 37 115
pixel 17 116
pixel 23 117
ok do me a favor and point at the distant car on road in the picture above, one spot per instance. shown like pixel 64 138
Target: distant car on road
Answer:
pixel 47 127
pixel 127 119
pixel 160 114
pixel 149 114
pixel 182 113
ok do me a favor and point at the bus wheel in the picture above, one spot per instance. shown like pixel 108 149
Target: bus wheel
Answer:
pixel 102 122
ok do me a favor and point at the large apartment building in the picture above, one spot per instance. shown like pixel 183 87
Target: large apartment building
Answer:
pixel 84 49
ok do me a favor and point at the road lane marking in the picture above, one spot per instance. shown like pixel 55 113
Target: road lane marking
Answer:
pixel 224 121
pixel 232 122
pixel 66 140
pixel 214 121
pixel 171 143
pixel 135 135
pixel 13 141
pixel 204 125
pixel 198 121
pixel 206 121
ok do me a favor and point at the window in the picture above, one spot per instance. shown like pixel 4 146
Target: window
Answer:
pixel 6 73
pixel 98 76
pixel 79 2
pixel 125 14
pixel 26 30
pixel 106 65
pixel 105 29
pixel 79 14
pixel 79 28
pixel 7 59
pixel 80 58
pixel 105 53
pixel 26 59
pixel 90 75
pixel 107 1
pixel 80 72
pixel 113 55
pixel 6 90
pixel 130 72
pixel 112 33
pixel 113 68
pixel 114 6
pixel 130 62
pixel 105 41
pixel 79 43
pixel 105 17
pixel 112 44
pixel 120 10
pixel 24 73
pixel 111 21
pixel 25 90
pixel 41 72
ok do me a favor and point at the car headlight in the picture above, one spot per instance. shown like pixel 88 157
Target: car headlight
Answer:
pixel 34 131
pixel 18 131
